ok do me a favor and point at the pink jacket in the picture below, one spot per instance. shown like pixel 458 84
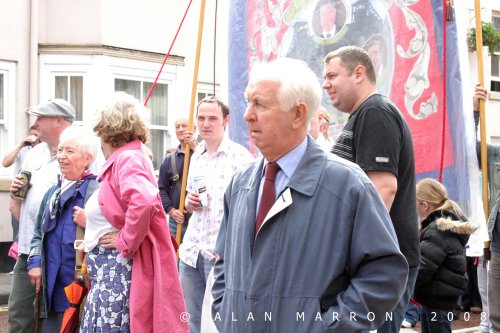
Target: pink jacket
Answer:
pixel 129 199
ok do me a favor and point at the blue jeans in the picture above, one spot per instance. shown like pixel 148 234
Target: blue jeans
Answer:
pixel 398 313
pixel 193 282
pixel 172 226
pixel 412 313
pixel 436 320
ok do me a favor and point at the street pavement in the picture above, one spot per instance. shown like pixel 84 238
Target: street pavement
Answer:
pixel 6 278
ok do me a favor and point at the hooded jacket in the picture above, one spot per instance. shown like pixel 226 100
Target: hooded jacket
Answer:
pixel 442 274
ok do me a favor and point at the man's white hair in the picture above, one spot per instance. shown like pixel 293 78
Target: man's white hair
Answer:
pixel 298 83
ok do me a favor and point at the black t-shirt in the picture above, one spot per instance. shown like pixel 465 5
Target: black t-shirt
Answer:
pixel 377 138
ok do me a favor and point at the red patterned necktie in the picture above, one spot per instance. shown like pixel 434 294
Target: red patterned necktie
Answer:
pixel 268 195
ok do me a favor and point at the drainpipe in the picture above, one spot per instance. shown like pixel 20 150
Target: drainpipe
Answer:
pixel 33 59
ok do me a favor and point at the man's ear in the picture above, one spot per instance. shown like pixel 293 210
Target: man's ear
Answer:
pixel 60 121
pixel 300 115
pixel 226 120
pixel 359 73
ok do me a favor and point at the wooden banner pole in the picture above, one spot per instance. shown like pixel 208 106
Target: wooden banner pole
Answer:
pixel 482 111
pixel 191 117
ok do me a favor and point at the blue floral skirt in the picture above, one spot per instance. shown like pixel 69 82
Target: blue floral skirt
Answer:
pixel 107 305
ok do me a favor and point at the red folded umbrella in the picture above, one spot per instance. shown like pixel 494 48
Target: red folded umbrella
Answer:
pixel 174 243
pixel 76 293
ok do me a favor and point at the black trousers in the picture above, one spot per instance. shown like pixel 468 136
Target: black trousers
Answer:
pixel 471 297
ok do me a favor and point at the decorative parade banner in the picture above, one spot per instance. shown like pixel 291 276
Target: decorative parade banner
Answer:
pixel 406 42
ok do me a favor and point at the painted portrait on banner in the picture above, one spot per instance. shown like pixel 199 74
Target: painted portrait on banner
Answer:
pixel 415 67
pixel 394 33
pixel 319 27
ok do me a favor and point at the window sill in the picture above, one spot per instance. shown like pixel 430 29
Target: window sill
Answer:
pixel 5 184
pixel 494 95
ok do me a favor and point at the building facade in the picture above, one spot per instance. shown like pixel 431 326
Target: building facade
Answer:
pixel 490 12
pixel 83 51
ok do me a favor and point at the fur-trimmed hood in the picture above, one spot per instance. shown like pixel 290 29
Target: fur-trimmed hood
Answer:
pixel 447 221
pixel 455 226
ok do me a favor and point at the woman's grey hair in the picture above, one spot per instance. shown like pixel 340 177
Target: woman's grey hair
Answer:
pixel 86 141
pixel 298 83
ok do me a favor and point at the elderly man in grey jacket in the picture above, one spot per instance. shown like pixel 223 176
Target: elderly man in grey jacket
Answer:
pixel 322 254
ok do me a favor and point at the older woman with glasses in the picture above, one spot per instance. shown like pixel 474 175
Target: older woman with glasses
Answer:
pixel 51 262
pixel 131 257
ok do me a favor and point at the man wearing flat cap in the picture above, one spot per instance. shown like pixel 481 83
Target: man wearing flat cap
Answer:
pixel 52 118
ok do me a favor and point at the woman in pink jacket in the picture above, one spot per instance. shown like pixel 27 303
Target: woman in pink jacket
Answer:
pixel 131 259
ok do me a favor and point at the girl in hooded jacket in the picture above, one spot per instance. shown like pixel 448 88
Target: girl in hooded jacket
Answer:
pixel 442 275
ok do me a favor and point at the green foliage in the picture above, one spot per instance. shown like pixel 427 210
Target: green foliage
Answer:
pixel 491 38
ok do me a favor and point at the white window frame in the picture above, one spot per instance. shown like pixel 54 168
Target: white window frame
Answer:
pixel 52 65
pixel 99 73
pixel 54 72
pixel 495 78
pixel 69 76
pixel 7 124
pixel 207 89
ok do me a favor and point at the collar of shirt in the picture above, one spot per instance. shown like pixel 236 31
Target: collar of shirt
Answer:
pixel 179 151
pixel 223 146
pixel 288 163
pixel 45 152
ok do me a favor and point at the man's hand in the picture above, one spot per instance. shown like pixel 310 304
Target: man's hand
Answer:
pixel 479 94
pixel 190 139
pixel 35 275
pixel 193 202
pixel 28 141
pixel 17 183
pixel 176 215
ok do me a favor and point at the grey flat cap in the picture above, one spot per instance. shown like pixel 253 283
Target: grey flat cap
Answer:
pixel 54 108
